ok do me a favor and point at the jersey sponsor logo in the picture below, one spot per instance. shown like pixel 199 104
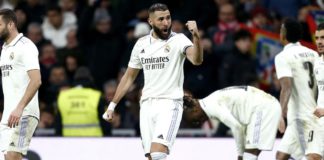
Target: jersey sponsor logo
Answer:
pixel 154 63
pixel 142 51
pixel 5 70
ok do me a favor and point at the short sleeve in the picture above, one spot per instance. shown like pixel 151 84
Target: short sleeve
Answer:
pixel 30 56
pixel 134 61
pixel 283 68
pixel 185 43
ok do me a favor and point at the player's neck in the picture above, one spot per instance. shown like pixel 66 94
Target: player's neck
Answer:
pixel 11 37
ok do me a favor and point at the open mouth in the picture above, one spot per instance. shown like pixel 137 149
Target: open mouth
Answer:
pixel 165 31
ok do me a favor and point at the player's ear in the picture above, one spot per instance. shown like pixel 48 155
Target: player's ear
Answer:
pixel 149 20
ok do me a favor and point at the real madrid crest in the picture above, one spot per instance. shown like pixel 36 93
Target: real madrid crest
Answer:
pixel 167 49
pixel 11 57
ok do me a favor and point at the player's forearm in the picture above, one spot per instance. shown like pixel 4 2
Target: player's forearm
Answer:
pixel 197 57
pixel 284 99
pixel 123 86
pixel 30 92
pixel 238 134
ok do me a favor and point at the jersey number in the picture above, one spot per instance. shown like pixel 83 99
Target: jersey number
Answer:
pixel 309 66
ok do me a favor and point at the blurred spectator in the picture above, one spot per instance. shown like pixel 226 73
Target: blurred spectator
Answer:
pixel 47 56
pixel 135 32
pixel 285 8
pixel 260 20
pixel 35 34
pixel 47 118
pixel 72 48
pixel 104 49
pixel 71 64
pixel 5 4
pixel 81 108
pixel 57 79
pixel 34 10
pixel 141 29
pixel 202 79
pixel 178 26
pixel 302 19
pixel 222 33
pixel 56 26
pixel 22 20
pixel 239 66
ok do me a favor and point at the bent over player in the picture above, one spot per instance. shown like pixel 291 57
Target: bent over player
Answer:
pixel 252 115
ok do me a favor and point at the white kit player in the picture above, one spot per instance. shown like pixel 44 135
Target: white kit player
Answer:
pixel 252 115
pixel 294 67
pixel 319 76
pixel 20 81
pixel 161 55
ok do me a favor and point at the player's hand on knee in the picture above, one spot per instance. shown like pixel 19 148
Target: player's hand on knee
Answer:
pixel 282 125
pixel 192 27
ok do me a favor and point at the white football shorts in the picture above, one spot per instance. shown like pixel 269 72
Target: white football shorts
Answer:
pixel 159 121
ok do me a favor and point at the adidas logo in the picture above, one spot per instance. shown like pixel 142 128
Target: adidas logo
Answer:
pixel 142 51
pixel 160 136
pixel 12 144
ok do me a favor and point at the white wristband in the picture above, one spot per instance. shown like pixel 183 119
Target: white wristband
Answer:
pixel 112 106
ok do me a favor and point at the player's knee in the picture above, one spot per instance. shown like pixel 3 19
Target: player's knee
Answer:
pixel 282 156
pixel 313 157
pixel 13 156
pixel 158 156
pixel 249 156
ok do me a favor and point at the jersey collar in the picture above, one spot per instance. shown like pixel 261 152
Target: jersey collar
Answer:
pixel 291 45
pixel 14 41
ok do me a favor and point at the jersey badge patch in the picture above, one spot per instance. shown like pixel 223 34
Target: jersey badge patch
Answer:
pixel 167 49
pixel 11 57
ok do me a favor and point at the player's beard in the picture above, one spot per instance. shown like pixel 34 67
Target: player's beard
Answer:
pixel 4 35
pixel 160 34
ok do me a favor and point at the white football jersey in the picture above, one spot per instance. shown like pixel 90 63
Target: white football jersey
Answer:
pixel 17 58
pixel 241 101
pixel 297 62
pixel 162 62
pixel 319 76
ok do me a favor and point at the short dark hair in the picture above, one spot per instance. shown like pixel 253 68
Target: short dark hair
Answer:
pixel 8 15
pixel 157 7
pixel 320 27
pixel 293 30
pixel 242 34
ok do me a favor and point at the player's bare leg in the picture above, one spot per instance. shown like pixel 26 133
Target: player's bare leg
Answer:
pixel 13 156
pixel 282 156
pixel 313 156
pixel 158 151
pixel 251 154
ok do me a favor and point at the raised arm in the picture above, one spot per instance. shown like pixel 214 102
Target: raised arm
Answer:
pixel 123 86
pixel 194 53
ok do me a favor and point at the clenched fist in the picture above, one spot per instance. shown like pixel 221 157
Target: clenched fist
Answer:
pixel 192 27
